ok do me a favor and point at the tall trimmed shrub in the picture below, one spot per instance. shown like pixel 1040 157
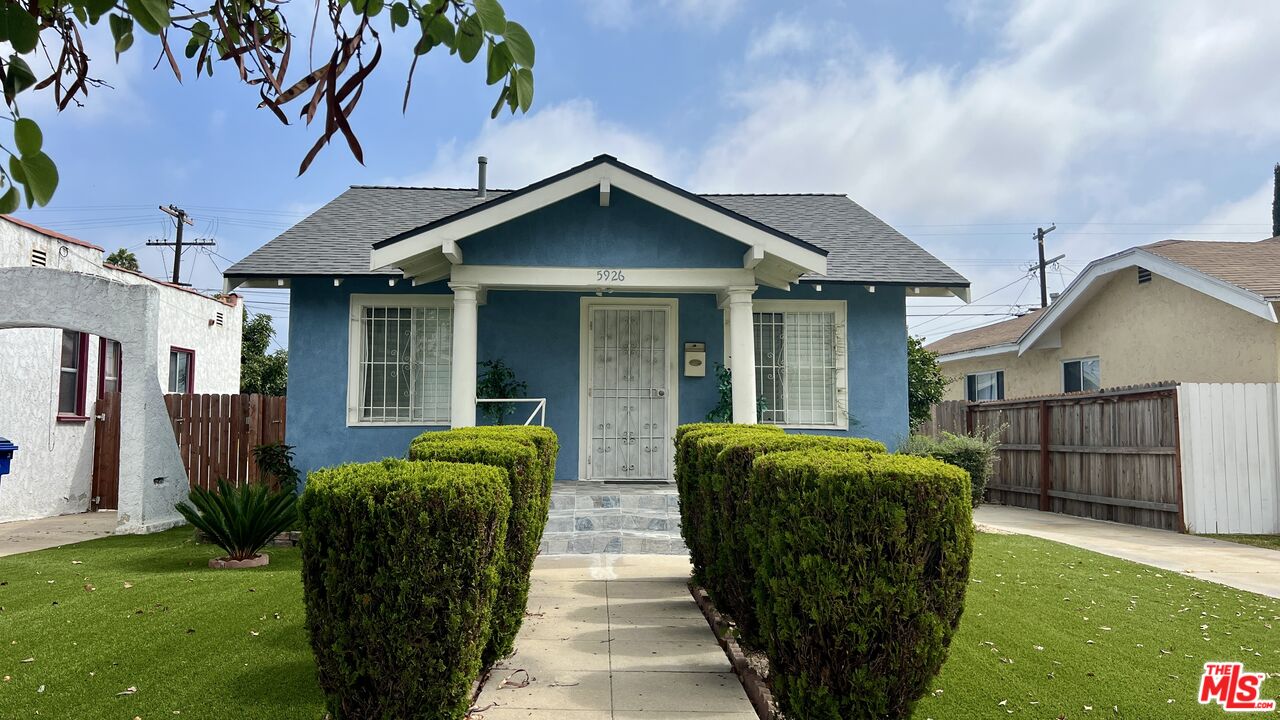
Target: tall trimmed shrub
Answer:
pixel 862 562
pixel 730 573
pixel 975 453
pixel 694 466
pixel 400 566
pixel 529 487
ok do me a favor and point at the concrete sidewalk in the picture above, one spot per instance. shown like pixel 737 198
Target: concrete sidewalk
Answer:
pixel 23 536
pixel 614 637
pixel 1240 566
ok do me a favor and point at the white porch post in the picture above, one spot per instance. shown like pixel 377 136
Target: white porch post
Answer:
pixel 742 354
pixel 462 396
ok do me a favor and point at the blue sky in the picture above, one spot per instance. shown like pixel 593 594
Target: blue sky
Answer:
pixel 965 124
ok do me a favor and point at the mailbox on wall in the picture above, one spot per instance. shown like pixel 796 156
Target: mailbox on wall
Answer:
pixel 695 359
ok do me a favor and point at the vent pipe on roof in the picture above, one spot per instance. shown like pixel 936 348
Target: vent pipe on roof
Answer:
pixel 483 163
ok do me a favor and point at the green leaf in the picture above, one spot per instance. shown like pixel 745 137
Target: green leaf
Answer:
pixel 27 136
pixel 500 62
pixel 373 7
pixel 98 8
pixel 502 97
pixel 470 39
pixel 152 15
pixel 121 32
pixel 440 30
pixel 10 200
pixel 201 31
pixel 524 88
pixel 41 177
pixel 18 77
pixel 399 15
pixel 24 32
pixel 492 16
pixel 521 44
pixel 15 170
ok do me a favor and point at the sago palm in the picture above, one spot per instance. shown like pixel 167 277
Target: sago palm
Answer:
pixel 240 520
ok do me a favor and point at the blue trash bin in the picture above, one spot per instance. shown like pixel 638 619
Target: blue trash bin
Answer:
pixel 6 455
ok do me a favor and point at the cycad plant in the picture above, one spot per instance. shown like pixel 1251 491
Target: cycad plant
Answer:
pixel 240 520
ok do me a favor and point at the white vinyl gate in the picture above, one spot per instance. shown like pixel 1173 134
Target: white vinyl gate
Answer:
pixel 627 393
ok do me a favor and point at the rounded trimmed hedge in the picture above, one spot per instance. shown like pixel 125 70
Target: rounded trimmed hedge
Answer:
pixel 529 488
pixel 400 568
pixel 862 561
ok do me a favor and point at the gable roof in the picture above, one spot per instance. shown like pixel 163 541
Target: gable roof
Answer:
pixel 1005 332
pixel 337 239
pixel 1252 266
pixel 1245 275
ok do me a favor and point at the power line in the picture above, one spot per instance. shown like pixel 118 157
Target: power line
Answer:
pixel 181 219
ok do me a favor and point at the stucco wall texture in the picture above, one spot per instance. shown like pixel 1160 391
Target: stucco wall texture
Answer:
pixel 1161 330
pixel 52 470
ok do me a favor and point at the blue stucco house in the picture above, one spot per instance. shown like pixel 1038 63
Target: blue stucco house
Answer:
pixel 612 294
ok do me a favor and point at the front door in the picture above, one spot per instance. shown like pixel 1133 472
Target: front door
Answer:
pixel 628 388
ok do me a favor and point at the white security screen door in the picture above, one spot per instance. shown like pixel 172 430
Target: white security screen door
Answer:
pixel 627 393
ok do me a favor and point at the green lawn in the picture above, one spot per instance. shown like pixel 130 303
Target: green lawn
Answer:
pixel 196 643
pixel 184 636
pixel 1052 631
pixel 1270 542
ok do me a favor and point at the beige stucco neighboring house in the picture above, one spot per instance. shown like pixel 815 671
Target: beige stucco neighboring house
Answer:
pixel 1181 310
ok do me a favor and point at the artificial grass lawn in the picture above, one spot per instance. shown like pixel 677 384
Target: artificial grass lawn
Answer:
pixel 1270 542
pixel 195 642
pixel 183 635
pixel 1051 631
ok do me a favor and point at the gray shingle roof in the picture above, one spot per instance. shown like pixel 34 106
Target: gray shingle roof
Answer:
pixel 336 239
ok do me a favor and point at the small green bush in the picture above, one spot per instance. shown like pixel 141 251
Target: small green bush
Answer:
pixel 862 562
pixel 240 520
pixel 529 486
pixel 730 573
pixel 694 466
pixel 399 572
pixel 976 454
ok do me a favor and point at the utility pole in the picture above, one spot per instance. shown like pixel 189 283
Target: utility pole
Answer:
pixel 180 218
pixel 1042 265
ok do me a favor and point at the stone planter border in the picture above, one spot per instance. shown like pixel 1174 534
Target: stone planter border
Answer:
pixel 253 562
pixel 757 691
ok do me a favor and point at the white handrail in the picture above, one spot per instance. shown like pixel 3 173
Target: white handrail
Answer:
pixel 539 409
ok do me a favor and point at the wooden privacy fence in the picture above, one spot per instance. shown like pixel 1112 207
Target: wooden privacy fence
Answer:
pixel 1109 455
pixel 216 434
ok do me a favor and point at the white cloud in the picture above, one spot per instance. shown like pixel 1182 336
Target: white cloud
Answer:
pixel 1249 216
pixel 525 149
pixel 783 35
pixel 709 12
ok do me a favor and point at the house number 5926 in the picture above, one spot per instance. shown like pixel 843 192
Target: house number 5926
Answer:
pixel 610 276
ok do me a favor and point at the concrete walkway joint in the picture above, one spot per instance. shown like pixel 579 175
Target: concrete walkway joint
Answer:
pixel 614 637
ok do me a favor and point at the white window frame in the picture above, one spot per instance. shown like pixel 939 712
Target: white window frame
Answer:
pixel 999 383
pixel 360 301
pixel 1062 373
pixel 841 310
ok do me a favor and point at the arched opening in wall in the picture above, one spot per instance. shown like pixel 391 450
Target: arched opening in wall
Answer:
pixel 87 437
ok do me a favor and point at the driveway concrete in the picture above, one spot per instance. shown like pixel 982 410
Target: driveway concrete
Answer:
pixel 29 535
pixel 1239 566
pixel 614 637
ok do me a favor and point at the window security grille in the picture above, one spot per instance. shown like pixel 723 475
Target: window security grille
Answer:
pixel 405 364
pixel 796 367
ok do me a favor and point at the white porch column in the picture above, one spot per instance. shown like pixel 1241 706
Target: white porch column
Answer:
pixel 742 354
pixel 462 396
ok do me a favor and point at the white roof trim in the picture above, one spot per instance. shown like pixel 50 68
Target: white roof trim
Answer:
pixel 1098 270
pixel 593 176
pixel 989 351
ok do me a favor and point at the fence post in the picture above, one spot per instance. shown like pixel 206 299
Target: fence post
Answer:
pixel 1045 465
pixel 1177 462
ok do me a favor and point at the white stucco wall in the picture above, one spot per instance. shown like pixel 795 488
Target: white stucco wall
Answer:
pixel 52 470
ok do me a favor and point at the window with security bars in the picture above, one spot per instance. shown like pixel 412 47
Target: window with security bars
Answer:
pixel 405 364
pixel 797 368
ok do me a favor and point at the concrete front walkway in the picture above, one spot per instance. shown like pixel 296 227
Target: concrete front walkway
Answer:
pixel 23 536
pixel 614 637
pixel 1240 566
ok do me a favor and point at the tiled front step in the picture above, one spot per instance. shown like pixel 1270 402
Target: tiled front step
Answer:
pixel 612 542
pixel 595 517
